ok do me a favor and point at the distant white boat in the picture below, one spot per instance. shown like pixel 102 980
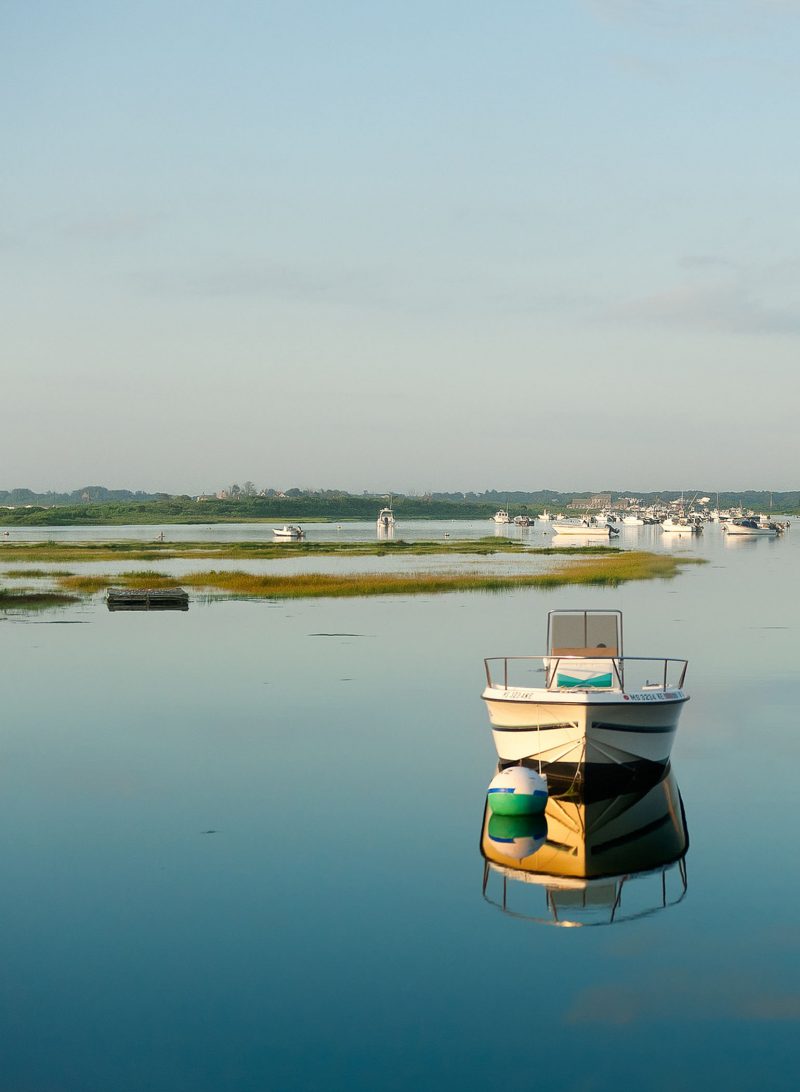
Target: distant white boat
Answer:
pixel 682 525
pixel 589 527
pixel 752 527
pixel 288 531
pixel 501 516
pixel 523 521
pixel 633 521
pixel 385 520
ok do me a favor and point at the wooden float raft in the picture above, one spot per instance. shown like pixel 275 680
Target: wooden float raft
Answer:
pixel 147 599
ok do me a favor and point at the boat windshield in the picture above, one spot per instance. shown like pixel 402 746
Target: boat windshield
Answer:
pixel 584 633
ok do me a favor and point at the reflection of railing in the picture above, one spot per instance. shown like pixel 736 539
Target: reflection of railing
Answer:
pixel 583 910
pixel 668 677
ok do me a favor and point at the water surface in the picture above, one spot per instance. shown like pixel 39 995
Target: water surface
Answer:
pixel 241 849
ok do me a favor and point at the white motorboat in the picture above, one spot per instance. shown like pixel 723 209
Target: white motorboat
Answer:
pixel 501 516
pixel 385 520
pixel 545 517
pixel 289 531
pixel 523 521
pixel 595 711
pixel 582 852
pixel 588 526
pixel 752 527
pixel 682 525
pixel 633 521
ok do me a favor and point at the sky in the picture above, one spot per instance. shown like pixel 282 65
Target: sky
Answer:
pixel 429 245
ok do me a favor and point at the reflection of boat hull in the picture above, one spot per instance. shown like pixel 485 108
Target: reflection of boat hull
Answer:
pixel 590 852
pixel 597 734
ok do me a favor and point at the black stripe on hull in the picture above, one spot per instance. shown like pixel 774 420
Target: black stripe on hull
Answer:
pixel 534 727
pixel 644 729
pixel 658 729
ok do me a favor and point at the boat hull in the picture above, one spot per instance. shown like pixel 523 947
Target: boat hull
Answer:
pixel 751 532
pixel 681 528
pixel 581 529
pixel 615 731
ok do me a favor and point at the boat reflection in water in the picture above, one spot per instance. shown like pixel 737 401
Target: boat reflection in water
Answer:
pixel 599 860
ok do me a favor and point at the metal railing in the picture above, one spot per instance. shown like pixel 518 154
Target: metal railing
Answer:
pixel 668 678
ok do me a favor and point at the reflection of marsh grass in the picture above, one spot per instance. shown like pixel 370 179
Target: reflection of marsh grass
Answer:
pixel 614 568
pixel 28 600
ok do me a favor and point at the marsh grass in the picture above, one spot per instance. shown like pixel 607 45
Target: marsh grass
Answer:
pixel 613 569
pixel 86 584
pixel 609 571
pixel 22 574
pixel 173 551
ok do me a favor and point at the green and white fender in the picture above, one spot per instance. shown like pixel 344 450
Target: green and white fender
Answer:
pixel 518 791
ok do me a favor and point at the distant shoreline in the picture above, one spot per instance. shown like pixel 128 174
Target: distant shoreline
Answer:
pixel 178 511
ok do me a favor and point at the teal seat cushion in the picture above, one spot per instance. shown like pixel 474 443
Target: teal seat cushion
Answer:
pixel 593 680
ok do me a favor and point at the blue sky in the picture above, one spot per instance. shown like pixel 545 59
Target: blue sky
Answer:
pixel 441 245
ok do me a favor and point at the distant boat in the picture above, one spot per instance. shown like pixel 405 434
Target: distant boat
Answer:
pixel 589 526
pixel 633 521
pixel 501 516
pixel 288 531
pixel 682 525
pixel 385 520
pixel 752 526
pixel 523 521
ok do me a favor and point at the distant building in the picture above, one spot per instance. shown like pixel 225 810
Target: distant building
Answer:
pixel 594 503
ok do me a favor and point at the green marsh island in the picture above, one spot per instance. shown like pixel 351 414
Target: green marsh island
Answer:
pixel 588 565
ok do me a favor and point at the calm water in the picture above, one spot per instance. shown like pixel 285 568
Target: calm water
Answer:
pixel 331 933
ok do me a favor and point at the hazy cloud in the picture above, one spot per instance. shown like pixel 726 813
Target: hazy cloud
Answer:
pixel 706 261
pixel 111 228
pixel 380 288
pixel 720 294
pixel 737 16
pixel 725 309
